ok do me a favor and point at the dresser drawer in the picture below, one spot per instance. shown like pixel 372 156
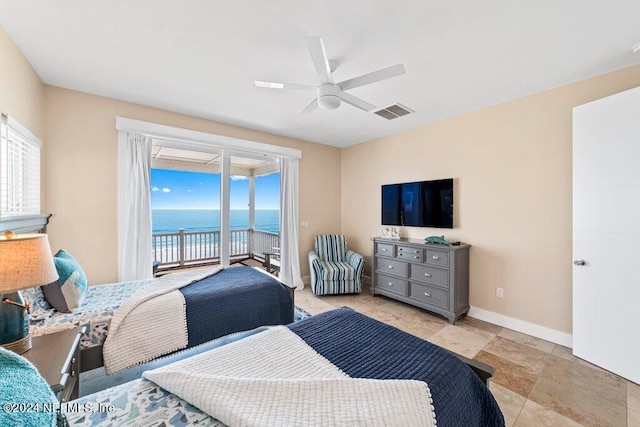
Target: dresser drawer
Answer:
pixel 436 257
pixel 396 268
pixel 409 253
pixel 428 274
pixel 430 294
pixel 391 284
pixel 384 250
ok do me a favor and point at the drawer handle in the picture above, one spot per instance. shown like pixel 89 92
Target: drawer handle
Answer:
pixel 427 294
pixel 390 284
pixel 427 274
pixel 416 257
pixel 384 249
pixel 417 252
pixel 391 266
pixel 435 257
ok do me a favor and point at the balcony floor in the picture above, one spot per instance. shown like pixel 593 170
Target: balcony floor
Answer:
pixel 251 262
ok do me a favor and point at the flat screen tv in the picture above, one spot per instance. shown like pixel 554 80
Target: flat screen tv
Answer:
pixel 418 204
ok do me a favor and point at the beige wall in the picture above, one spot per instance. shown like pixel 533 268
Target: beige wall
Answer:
pixel 21 90
pixel 81 177
pixel 512 169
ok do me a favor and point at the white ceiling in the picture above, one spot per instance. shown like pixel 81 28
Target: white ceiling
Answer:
pixel 200 57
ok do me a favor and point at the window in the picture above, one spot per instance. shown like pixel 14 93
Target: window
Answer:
pixel 19 170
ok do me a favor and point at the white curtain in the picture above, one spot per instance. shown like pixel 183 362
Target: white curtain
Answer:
pixel 134 207
pixel 289 259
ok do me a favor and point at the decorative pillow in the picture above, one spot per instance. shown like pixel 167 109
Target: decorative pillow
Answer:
pixel 71 286
pixel 36 299
pixel 53 294
pixel 21 386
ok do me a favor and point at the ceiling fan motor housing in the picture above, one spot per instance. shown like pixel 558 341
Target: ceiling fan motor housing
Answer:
pixel 328 96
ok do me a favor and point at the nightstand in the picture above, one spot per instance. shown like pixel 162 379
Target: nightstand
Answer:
pixel 57 358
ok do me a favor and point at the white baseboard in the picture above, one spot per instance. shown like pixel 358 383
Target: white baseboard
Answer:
pixel 528 328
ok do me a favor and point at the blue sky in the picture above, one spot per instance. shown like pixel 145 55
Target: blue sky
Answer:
pixel 172 189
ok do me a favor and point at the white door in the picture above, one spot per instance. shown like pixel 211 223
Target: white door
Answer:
pixel 606 233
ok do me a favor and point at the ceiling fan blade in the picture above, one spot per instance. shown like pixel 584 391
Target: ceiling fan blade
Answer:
pixel 376 76
pixel 319 58
pixel 356 102
pixel 277 85
pixel 311 107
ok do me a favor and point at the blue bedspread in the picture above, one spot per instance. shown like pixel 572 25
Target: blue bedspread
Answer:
pixel 235 299
pixel 366 348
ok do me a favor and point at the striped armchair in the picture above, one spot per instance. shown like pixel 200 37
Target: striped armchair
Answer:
pixel 334 269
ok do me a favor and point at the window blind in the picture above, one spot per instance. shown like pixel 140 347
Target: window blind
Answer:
pixel 19 170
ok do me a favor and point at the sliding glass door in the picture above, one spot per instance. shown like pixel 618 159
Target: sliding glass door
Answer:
pixel 212 206
pixel 254 207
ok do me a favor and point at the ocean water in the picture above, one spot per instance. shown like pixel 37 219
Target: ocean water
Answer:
pixel 170 220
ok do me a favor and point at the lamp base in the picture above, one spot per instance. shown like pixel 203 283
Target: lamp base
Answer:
pixel 14 322
pixel 20 346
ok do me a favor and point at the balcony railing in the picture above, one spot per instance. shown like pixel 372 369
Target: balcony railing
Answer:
pixel 198 247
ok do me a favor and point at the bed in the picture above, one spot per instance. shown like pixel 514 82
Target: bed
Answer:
pixel 245 298
pixel 355 344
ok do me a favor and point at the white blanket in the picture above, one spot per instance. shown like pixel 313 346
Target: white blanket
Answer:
pixel 151 323
pixel 274 378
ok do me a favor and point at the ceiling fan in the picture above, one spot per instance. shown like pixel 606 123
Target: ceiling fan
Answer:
pixel 329 94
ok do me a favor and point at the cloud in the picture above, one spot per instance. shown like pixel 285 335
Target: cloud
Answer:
pixel 155 189
pixel 166 190
pixel 238 177
pixel 189 191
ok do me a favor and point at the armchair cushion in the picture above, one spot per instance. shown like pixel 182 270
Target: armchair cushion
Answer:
pixel 335 270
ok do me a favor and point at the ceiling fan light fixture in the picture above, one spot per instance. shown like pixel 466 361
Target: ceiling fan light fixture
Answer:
pixel 270 85
pixel 329 102
pixel 330 94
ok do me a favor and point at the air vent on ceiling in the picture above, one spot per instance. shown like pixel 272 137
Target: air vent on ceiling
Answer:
pixel 393 111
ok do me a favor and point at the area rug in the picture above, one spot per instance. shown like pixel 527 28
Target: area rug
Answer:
pixel 300 314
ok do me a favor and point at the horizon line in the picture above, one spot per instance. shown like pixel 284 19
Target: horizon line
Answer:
pixel 209 209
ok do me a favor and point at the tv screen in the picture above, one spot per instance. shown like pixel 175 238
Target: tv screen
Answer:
pixel 418 204
pixel 390 204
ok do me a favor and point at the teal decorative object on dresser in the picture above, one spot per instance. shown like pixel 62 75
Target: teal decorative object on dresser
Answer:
pixel 436 240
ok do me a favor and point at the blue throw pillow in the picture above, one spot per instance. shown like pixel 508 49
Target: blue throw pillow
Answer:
pixel 21 389
pixel 68 292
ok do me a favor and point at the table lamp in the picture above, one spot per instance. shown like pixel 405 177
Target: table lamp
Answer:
pixel 25 262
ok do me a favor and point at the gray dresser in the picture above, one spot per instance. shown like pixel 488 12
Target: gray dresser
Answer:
pixel 433 277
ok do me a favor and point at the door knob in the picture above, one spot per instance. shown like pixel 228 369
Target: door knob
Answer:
pixel 579 262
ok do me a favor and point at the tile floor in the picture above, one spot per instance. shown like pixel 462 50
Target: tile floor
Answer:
pixel 537 383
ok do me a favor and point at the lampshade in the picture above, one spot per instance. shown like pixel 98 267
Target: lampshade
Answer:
pixel 25 262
